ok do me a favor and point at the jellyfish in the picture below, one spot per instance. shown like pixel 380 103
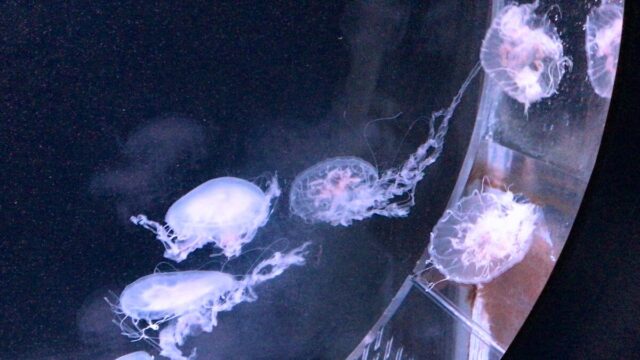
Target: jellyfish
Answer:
pixel 523 53
pixel 226 211
pixel 137 355
pixel 183 303
pixel 603 33
pixel 342 189
pixel 482 236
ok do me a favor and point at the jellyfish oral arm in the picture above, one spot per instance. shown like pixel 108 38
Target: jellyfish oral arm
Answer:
pixel 166 235
pixel 277 264
pixel 273 191
pixel 171 337
pixel 398 182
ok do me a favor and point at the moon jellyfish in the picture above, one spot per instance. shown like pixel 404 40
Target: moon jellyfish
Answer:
pixel 603 32
pixel 226 211
pixel 523 53
pixel 138 355
pixel 185 303
pixel 342 189
pixel 484 235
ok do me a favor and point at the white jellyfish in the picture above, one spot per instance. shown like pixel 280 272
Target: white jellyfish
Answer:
pixel 187 302
pixel 523 53
pixel 343 189
pixel 226 211
pixel 137 355
pixel 482 236
pixel 603 33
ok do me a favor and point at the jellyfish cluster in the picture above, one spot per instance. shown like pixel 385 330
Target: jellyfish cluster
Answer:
pixel 481 237
pixel 165 308
pixel 523 53
pixel 490 231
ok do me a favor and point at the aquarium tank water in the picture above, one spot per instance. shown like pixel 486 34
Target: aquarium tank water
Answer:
pixel 362 179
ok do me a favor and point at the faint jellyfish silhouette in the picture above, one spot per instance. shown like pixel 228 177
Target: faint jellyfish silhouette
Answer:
pixel 523 53
pixel 148 162
pixel 603 33
pixel 226 211
pixel 137 355
pixel 342 189
pixel 189 301
pixel 482 236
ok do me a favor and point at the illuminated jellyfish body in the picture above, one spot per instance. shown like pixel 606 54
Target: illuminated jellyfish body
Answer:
pixel 603 33
pixel 338 191
pixel 183 303
pixel 138 355
pixel 523 53
pixel 226 211
pixel 343 189
pixel 484 235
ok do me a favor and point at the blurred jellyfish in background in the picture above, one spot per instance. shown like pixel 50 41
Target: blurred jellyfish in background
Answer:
pixel 523 53
pixel 603 33
pixel 482 236
pixel 150 162
pixel 138 355
pixel 226 211
pixel 185 303
pixel 343 189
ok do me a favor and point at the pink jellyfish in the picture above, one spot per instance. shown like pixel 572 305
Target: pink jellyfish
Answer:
pixel 523 53
pixel 183 303
pixel 226 211
pixel 338 191
pixel 343 189
pixel 482 236
pixel 603 33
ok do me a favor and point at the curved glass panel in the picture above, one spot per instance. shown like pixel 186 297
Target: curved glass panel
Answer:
pixel 542 154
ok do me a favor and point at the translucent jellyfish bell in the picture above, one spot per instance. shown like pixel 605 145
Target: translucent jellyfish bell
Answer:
pixel 187 302
pixel 226 211
pixel 343 189
pixel 603 33
pixel 523 53
pixel 483 236
pixel 138 355
pixel 337 191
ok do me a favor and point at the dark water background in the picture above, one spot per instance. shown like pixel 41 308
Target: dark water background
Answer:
pixel 118 108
